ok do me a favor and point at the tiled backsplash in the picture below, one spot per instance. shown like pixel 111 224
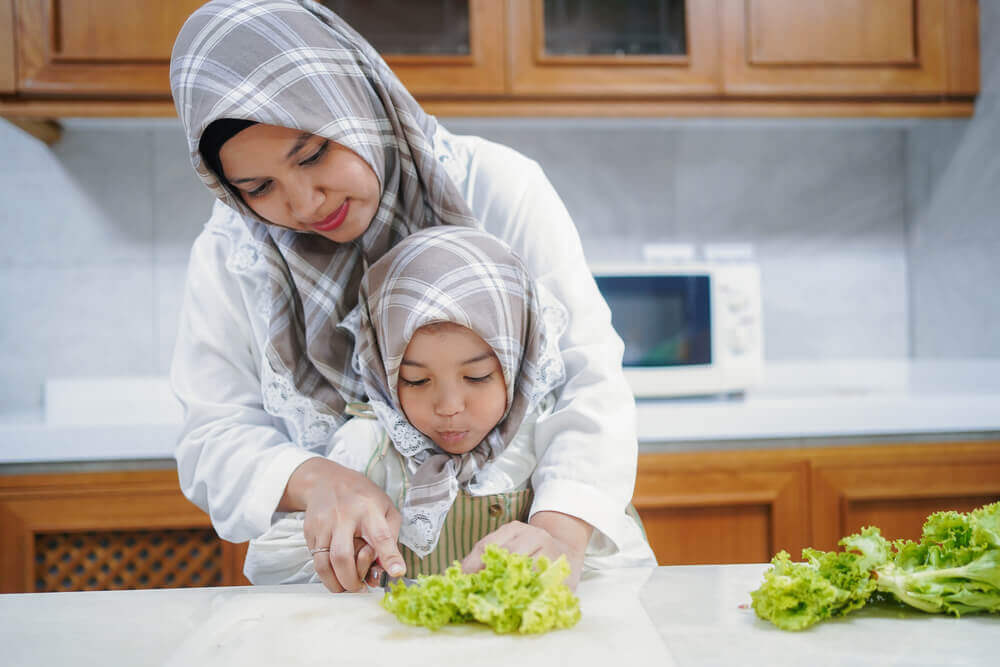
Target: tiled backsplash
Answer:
pixel 875 239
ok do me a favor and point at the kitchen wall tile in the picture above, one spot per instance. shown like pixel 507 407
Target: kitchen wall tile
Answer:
pixel 956 302
pixel 953 221
pixel 66 322
pixel 84 201
pixel 181 203
pixel 615 182
pixel 822 302
pixel 721 183
pixel 169 280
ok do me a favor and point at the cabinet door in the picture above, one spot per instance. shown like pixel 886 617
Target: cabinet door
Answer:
pixel 97 48
pixel 438 48
pixel 849 48
pixel 107 48
pixel 105 531
pixel 595 48
pixel 727 507
pixel 896 487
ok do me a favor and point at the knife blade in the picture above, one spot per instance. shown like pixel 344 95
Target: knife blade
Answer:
pixel 379 578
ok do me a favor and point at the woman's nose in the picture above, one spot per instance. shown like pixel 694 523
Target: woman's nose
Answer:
pixel 305 201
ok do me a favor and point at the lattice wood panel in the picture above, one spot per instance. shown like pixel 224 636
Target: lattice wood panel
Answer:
pixel 109 560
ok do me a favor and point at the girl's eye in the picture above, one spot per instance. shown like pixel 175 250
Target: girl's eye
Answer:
pixel 483 378
pixel 260 190
pixel 413 383
pixel 317 156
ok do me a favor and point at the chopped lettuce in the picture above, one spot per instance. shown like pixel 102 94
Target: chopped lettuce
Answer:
pixel 512 593
pixel 954 568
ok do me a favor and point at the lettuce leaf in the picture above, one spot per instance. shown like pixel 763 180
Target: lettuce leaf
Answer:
pixel 512 593
pixel 954 568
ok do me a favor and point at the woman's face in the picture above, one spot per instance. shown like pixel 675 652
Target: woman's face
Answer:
pixel 451 386
pixel 301 181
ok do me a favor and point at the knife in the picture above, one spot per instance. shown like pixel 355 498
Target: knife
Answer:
pixel 377 577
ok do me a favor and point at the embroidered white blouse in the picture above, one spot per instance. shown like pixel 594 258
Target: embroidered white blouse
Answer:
pixel 246 431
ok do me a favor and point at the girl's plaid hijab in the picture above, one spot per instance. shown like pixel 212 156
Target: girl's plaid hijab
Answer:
pixel 468 277
pixel 295 64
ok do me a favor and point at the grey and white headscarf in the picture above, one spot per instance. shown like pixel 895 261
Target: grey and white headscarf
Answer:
pixel 467 277
pixel 295 64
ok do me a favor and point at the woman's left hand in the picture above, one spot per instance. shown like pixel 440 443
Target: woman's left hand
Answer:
pixel 549 534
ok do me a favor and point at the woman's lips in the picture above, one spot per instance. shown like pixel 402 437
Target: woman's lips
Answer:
pixel 335 219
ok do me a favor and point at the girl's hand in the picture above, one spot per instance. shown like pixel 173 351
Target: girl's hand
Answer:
pixel 549 534
pixel 348 515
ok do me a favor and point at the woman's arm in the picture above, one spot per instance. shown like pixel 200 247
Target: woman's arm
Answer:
pixel 233 461
pixel 587 446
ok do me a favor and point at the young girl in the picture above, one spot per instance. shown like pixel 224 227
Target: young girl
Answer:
pixel 322 162
pixel 458 352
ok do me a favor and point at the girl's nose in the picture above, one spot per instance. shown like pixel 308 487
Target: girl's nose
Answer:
pixel 449 403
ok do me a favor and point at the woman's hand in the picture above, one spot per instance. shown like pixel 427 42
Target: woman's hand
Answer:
pixel 549 534
pixel 349 517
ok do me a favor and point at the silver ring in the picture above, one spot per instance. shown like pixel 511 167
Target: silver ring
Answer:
pixel 316 551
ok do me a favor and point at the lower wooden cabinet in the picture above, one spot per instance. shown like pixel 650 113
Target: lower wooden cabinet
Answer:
pixel 745 506
pixel 134 529
pixel 108 530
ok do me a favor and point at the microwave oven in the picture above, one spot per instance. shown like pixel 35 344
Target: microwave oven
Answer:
pixel 689 329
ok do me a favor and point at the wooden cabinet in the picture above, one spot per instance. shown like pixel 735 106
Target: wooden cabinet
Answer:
pixel 745 506
pixel 670 49
pixel 544 57
pixel 850 48
pixel 108 530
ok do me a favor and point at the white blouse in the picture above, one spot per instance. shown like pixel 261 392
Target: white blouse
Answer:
pixel 244 433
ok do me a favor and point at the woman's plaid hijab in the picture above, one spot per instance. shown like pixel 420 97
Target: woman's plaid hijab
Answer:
pixel 295 64
pixel 468 277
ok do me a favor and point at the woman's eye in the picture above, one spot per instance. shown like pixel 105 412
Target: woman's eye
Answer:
pixel 482 378
pixel 413 383
pixel 260 190
pixel 317 156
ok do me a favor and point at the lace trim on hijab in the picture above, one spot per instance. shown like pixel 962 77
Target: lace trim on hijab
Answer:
pixel 307 426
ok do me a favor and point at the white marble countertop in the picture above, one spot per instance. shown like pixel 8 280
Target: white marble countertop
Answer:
pixel 685 615
pixel 118 419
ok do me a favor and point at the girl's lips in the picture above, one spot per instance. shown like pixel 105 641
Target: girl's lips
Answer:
pixel 452 436
pixel 335 219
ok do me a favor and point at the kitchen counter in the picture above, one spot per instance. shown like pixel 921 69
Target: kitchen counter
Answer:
pixel 131 419
pixel 685 616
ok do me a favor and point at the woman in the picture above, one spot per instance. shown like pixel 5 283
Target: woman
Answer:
pixel 322 162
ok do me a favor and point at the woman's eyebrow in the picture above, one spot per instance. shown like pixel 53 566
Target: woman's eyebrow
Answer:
pixel 300 141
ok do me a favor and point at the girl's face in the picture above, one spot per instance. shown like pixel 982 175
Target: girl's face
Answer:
pixel 451 386
pixel 303 182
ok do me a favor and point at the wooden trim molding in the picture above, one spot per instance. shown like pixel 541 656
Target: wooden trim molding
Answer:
pixel 8 48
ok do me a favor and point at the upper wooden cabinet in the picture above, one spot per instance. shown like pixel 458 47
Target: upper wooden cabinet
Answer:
pixel 538 57
pixel 867 48
pixel 625 49
pixel 96 48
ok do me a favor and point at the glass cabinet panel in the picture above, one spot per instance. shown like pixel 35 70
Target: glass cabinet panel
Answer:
pixel 615 27
pixel 409 27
